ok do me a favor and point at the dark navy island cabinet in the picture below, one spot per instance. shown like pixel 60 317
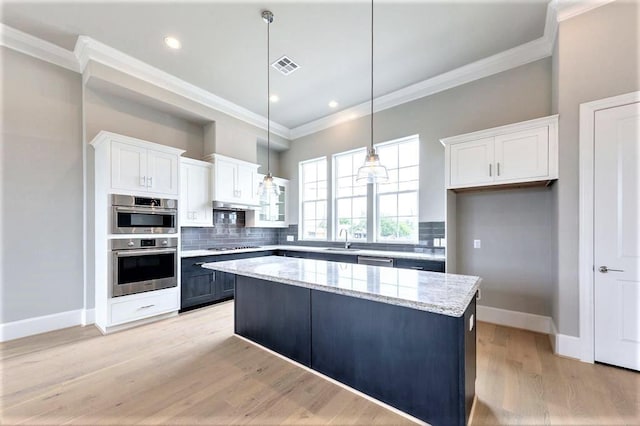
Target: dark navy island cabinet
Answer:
pixel 420 362
pixel 201 286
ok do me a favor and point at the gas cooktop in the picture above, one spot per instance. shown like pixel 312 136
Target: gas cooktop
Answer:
pixel 232 248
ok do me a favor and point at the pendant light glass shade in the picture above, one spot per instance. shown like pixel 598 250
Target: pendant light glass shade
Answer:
pixel 268 190
pixel 372 171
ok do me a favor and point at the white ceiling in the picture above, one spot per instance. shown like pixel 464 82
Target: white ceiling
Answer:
pixel 224 44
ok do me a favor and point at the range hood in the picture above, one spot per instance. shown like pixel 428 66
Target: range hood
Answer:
pixel 234 207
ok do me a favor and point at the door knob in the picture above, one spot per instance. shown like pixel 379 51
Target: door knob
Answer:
pixel 605 269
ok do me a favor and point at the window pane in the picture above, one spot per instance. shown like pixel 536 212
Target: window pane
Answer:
pixel 388 156
pixel 343 207
pixel 360 208
pixel 343 165
pixel 343 187
pixel 388 205
pixel 310 191
pixel 309 211
pixel 321 210
pixel 408 204
pixel 408 173
pixel 322 170
pixel 309 172
pixel 408 154
pixel 388 228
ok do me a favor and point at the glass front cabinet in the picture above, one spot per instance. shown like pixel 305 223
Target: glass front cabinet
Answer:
pixel 272 212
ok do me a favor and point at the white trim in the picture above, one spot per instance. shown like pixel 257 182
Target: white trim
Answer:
pixel 37 325
pixel 335 382
pixel 568 9
pixel 564 345
pixel 37 48
pixel 88 49
pixel 585 216
pixel 523 320
pixel 87 317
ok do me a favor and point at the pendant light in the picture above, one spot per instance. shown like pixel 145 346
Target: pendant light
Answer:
pixel 268 187
pixel 372 171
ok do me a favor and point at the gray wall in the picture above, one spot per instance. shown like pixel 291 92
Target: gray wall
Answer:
pixel 514 227
pixel 108 112
pixel 511 96
pixel 598 57
pixel 41 188
pixel 261 153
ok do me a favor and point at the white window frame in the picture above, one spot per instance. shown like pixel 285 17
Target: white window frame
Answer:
pixel 376 194
pixel 362 151
pixel 301 202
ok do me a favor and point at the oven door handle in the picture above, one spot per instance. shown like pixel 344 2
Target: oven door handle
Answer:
pixel 128 253
pixel 144 210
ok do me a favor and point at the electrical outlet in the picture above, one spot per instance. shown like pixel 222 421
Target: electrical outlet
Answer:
pixel 477 244
pixel 290 238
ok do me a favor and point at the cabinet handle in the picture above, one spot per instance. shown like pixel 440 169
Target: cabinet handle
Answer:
pixel 143 181
pixel 150 182
pixel 199 263
pixel 146 306
pixel 498 168
pixel 419 268
pixel 489 169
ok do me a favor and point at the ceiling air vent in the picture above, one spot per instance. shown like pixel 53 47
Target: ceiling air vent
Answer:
pixel 285 65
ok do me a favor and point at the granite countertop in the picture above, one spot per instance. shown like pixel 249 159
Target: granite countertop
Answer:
pixel 447 294
pixel 310 249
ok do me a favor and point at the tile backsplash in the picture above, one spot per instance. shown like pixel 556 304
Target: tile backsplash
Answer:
pixel 229 231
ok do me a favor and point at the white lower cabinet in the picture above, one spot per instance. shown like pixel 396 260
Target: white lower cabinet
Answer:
pixel 195 193
pixel 143 305
pixel 513 154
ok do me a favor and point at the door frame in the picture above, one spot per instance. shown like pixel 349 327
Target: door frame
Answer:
pixel 586 220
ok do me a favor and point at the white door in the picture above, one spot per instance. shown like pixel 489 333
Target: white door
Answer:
pixel 225 182
pixel 246 184
pixel 128 167
pixel 617 236
pixel 472 163
pixel 522 155
pixel 163 172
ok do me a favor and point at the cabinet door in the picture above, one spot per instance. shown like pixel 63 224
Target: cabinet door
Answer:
pixel 522 155
pixel 225 182
pixel 198 289
pixel 471 163
pixel 195 195
pixel 246 183
pixel 128 167
pixel 226 285
pixel 163 172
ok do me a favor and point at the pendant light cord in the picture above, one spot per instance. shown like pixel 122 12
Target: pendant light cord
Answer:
pixel 268 100
pixel 371 75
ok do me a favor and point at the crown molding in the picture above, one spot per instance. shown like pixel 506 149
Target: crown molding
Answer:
pixel 503 61
pixel 37 48
pixel 568 9
pixel 88 49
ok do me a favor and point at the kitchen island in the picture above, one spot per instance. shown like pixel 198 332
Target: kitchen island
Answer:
pixel 404 337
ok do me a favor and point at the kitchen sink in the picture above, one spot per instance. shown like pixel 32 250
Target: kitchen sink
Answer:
pixel 341 249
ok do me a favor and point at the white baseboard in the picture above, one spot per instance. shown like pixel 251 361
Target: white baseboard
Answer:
pixel 37 325
pixel 564 345
pixel 523 320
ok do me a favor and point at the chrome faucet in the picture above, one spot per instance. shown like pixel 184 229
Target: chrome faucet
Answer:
pixel 347 244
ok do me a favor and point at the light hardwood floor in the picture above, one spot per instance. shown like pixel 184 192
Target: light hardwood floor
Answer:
pixel 192 370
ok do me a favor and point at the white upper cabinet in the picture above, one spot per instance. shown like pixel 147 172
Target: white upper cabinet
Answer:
pixel 234 181
pixel 141 167
pixel 516 153
pixel 195 193
pixel 471 162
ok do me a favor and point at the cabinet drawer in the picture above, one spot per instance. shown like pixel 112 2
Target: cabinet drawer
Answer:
pixel 143 307
pixel 421 265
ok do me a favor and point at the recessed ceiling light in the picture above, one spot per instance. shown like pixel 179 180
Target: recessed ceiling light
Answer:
pixel 274 98
pixel 172 42
pixel 333 104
